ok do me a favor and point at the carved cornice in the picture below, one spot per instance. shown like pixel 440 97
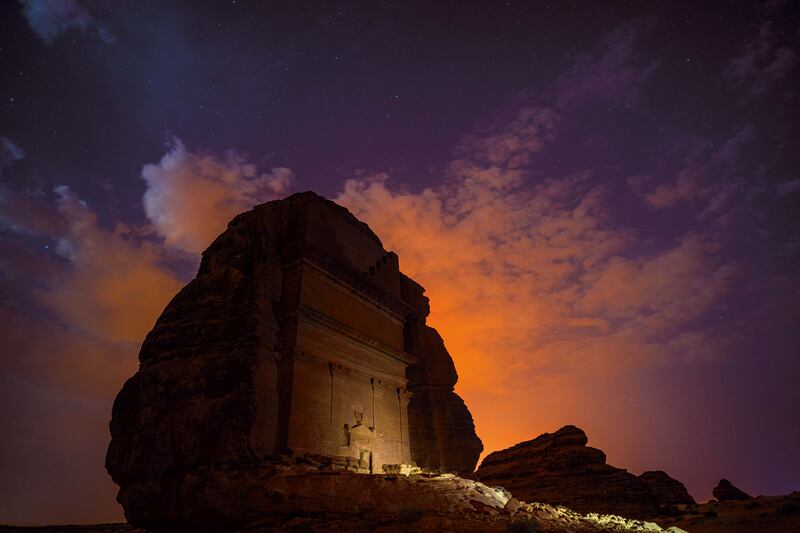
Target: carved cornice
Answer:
pixel 338 328
pixel 304 251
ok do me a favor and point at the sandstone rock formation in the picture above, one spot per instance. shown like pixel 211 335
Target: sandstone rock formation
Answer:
pixel 299 335
pixel 559 469
pixel 727 491
pixel 668 490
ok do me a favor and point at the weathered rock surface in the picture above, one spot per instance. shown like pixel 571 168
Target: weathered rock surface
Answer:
pixel 559 469
pixel 727 491
pixel 668 490
pixel 293 495
pixel 439 422
pixel 765 514
pixel 299 332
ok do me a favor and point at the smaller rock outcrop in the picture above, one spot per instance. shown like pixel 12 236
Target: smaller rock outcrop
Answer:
pixel 559 469
pixel 668 490
pixel 727 491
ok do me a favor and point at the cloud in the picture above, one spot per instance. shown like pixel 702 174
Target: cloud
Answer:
pixel 77 297
pixel 50 19
pixel 529 280
pixel 616 74
pixel 651 293
pixel 116 283
pixel 551 307
pixel 62 360
pixel 787 187
pixel 762 62
pixel 112 282
pixel 9 151
pixel 534 278
pixel 190 197
pixel 708 174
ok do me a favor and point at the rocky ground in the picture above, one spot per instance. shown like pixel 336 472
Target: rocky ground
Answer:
pixel 765 514
pixel 474 507
pixel 342 501
pixel 94 528
pixel 301 494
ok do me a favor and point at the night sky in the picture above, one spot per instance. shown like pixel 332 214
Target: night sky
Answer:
pixel 602 200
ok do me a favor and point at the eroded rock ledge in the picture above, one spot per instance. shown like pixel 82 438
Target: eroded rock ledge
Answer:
pixel 560 469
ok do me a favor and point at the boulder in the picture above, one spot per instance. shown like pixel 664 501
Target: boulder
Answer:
pixel 560 469
pixel 727 491
pixel 668 490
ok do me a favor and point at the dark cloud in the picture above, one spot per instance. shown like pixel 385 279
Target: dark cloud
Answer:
pixel 763 61
pixel 50 19
pixel 787 187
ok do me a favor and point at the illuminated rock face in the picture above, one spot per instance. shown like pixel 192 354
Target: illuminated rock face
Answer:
pixel 299 336
pixel 559 469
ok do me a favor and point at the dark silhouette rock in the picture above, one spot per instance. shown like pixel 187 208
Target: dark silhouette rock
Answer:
pixel 765 514
pixel 668 490
pixel 559 469
pixel 727 491
pixel 298 336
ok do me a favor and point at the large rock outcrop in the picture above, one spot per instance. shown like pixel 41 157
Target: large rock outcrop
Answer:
pixel 299 334
pixel 727 491
pixel 298 495
pixel 668 490
pixel 559 469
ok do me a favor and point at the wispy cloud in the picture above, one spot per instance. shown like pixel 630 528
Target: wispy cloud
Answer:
pixel 191 197
pixel 541 277
pixel 708 176
pixel 78 295
pixel 763 61
pixel 115 283
pixel 50 19
pixel 535 283
pixel 787 187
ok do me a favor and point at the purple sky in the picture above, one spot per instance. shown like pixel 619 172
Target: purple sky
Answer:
pixel 603 203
